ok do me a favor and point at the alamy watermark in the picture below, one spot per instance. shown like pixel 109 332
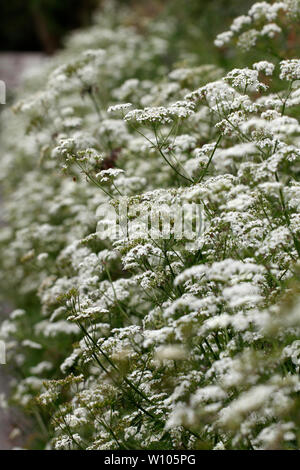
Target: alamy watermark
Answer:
pixel 2 101
pixel 2 352
pixel 151 221
pixel 2 92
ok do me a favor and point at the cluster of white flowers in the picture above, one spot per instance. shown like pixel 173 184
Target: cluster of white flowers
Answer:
pixel 161 115
pixel 264 19
pixel 290 69
pixel 141 340
pixel 245 79
pixel 264 66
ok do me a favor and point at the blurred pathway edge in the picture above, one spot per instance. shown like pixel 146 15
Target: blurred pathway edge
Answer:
pixel 12 424
pixel 14 64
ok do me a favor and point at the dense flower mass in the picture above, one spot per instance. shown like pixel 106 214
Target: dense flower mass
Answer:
pixel 142 340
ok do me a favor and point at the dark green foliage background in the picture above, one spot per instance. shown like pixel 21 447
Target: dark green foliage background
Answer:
pixel 41 24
